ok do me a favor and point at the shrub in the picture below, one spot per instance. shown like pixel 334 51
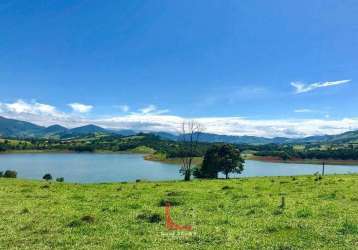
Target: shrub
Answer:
pixel 88 219
pixel 85 219
pixel 173 193
pixel 149 217
pixel 172 202
pixel 47 177
pixel 1 174
pixel 74 223
pixel 25 211
pixel 10 174
pixel 60 179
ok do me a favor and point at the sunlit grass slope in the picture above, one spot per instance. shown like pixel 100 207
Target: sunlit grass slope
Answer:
pixel 233 214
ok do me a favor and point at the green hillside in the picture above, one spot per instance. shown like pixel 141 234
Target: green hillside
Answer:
pixel 11 128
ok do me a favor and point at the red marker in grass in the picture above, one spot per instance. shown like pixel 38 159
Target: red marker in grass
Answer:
pixel 170 225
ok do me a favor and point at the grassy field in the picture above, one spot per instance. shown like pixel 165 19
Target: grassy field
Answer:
pixel 232 214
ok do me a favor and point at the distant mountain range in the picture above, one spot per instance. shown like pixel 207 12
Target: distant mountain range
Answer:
pixel 10 128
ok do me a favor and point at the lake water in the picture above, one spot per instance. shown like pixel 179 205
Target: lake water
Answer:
pixel 94 168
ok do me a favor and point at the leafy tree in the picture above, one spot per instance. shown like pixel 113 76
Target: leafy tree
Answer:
pixel 230 160
pixel 221 158
pixel 10 174
pixel 211 165
pixel 47 177
pixel 60 179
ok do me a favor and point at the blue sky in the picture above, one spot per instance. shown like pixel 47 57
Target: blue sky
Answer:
pixel 270 68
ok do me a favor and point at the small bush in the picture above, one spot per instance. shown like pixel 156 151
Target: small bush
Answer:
pixel 74 223
pixel 272 229
pixel 10 174
pixel 60 179
pixel 88 219
pixel 318 178
pixel 1 174
pixel 25 211
pixel 85 219
pixel 226 187
pixel 47 177
pixel 151 218
pixel 173 193
pixel 172 202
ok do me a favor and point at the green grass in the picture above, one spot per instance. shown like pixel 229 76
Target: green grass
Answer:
pixel 232 214
pixel 142 150
pixel 158 156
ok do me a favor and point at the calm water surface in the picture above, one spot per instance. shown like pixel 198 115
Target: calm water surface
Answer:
pixel 91 168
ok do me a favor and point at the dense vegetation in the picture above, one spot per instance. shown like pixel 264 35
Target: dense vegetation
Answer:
pixel 96 142
pixel 169 149
pixel 307 151
pixel 220 158
pixel 233 214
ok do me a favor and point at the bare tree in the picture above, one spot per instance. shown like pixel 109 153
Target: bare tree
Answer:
pixel 190 133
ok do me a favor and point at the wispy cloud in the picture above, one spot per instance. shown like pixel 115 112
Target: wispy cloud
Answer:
pixel 124 108
pixel 232 95
pixel 151 119
pixel 304 111
pixel 301 87
pixel 80 108
pixel 152 109
pixel 234 125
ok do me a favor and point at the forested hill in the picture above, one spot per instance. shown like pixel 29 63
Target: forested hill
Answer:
pixel 10 128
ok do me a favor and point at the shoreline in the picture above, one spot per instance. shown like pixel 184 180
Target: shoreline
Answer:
pixel 304 161
pixel 197 160
pixel 67 152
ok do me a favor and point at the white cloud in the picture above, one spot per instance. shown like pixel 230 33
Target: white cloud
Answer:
pixel 124 108
pixel 44 114
pixel 39 113
pixel 301 87
pixel 152 109
pixel 20 106
pixel 80 108
pixel 234 125
pixel 303 110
